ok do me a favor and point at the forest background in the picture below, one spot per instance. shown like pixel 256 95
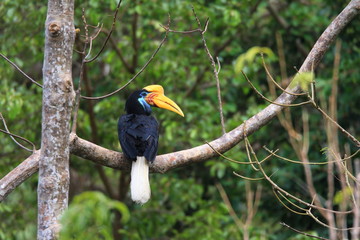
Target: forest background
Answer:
pixel 207 200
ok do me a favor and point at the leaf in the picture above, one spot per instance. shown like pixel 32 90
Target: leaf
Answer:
pixel 343 195
pixel 249 57
pixel 90 215
pixel 303 79
pixel 121 207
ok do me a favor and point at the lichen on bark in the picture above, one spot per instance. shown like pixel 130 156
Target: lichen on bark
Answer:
pixel 58 98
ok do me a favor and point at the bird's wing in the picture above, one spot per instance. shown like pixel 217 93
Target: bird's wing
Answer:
pixel 152 139
pixel 138 136
pixel 127 141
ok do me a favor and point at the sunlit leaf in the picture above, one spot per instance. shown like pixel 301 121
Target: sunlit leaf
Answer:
pixel 249 56
pixel 304 79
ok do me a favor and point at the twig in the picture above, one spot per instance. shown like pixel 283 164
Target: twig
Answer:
pixel 282 59
pixel 227 158
pixel 348 183
pixel 17 68
pixel 285 192
pixel 19 174
pixel 135 46
pixel 227 202
pixel 216 72
pixel 94 135
pixel 268 100
pixel 333 142
pixel 13 136
pixel 78 91
pixel 201 73
pixel 277 16
pixel 308 163
pixel 136 75
pixel 248 178
pixel 288 208
pixel 17 136
pixel 129 68
pixel 276 84
pixel 167 162
pixel 303 233
pixel 107 38
pixel 200 30
pixel 347 134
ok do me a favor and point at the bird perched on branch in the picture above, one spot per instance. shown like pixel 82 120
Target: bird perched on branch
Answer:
pixel 139 133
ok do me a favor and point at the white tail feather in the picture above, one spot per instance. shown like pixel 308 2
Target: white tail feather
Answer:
pixel 139 185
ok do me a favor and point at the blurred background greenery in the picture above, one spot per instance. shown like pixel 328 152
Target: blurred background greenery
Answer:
pixel 186 203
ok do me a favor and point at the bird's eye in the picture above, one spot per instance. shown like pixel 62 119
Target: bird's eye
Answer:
pixel 143 94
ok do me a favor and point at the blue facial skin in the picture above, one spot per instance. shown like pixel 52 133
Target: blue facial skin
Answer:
pixel 143 103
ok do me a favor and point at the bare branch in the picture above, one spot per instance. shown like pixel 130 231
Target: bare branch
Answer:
pixel 216 72
pixel 136 75
pixel 13 136
pixel 276 84
pixel 227 158
pixel 19 174
pixel 329 35
pixel 287 207
pixel 227 202
pixel 107 38
pixel 17 136
pixel 118 51
pixel 280 190
pixel 274 102
pixel 166 162
pixel 310 163
pixel 346 133
pixel 281 54
pixel 17 68
pixel 248 178
pixel 200 30
pixel 83 57
pixel 303 233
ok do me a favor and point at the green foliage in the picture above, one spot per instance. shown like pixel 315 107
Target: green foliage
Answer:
pixel 343 196
pixel 248 57
pixel 303 237
pixel 303 79
pixel 185 203
pixel 19 208
pixel 90 216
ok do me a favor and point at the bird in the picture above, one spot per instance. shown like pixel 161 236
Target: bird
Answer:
pixel 138 133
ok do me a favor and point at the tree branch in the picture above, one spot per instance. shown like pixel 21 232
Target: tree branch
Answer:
pixel 137 74
pixel 19 174
pixel 166 162
pixel 303 233
pixel 57 104
pixel 13 136
pixel 21 71
pixel 109 35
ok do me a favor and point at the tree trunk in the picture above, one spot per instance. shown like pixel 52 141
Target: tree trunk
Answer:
pixel 58 98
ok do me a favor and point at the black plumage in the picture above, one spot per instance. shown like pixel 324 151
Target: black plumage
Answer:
pixel 138 136
pixel 138 133
pixel 138 130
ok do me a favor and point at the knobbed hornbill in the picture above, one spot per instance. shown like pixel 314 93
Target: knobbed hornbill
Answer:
pixel 139 133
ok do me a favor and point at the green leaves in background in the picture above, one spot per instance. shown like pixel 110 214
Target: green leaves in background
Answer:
pixel 303 79
pixel 90 216
pixel 248 57
pixel 185 203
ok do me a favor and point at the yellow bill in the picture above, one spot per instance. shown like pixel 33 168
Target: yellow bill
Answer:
pixel 157 98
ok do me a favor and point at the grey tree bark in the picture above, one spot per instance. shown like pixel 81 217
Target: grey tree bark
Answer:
pixel 58 98
pixel 52 159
